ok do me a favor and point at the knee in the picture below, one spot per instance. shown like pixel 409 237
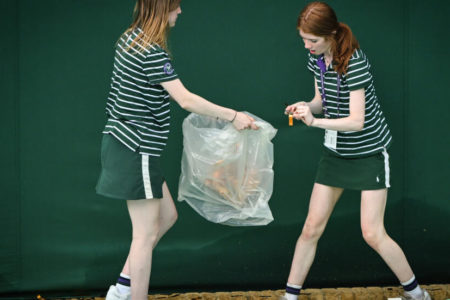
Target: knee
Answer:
pixel 168 220
pixel 173 218
pixel 373 236
pixel 311 231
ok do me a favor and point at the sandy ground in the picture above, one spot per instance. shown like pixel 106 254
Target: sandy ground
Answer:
pixel 437 292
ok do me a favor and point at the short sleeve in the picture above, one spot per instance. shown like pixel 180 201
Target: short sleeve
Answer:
pixel 311 62
pixel 358 71
pixel 158 66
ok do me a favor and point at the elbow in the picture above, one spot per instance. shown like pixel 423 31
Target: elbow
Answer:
pixel 359 125
pixel 185 102
pixel 355 123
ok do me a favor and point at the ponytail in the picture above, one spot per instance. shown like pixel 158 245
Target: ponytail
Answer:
pixel 343 45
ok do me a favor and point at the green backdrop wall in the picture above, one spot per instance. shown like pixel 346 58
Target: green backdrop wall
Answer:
pixel 56 61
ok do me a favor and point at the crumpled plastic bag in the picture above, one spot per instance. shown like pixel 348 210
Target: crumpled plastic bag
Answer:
pixel 226 174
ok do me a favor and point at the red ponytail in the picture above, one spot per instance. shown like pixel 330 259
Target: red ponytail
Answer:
pixel 342 46
pixel 319 19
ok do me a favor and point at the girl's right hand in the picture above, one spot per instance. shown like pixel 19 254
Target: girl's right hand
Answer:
pixel 244 121
pixel 291 109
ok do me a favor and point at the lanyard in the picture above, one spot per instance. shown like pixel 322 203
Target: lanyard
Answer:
pixel 323 69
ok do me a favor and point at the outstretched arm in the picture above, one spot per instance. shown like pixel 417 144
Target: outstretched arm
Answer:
pixel 194 103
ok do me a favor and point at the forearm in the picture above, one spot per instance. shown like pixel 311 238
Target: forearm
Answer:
pixel 315 106
pixel 341 124
pixel 196 104
pixel 355 120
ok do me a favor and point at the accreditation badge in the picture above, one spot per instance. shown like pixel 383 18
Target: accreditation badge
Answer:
pixel 330 139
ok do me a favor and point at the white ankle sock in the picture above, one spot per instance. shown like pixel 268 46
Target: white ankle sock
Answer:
pixel 417 292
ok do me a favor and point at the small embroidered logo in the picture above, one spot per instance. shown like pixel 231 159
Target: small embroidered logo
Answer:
pixel 378 179
pixel 168 69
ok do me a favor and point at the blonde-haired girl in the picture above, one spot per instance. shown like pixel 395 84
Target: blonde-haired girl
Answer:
pixel 136 132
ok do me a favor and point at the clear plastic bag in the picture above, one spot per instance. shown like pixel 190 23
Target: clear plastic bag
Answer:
pixel 226 174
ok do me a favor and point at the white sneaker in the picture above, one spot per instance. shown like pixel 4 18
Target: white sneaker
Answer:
pixel 114 294
pixel 425 296
pixel 283 297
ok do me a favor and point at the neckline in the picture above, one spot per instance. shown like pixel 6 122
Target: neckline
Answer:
pixel 322 64
pixel 330 65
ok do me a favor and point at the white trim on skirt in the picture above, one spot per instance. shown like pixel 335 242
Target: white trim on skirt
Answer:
pixel 386 168
pixel 146 178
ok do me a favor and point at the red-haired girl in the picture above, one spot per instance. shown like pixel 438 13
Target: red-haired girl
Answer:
pixel 356 142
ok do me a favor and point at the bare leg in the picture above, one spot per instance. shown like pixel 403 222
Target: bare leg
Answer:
pixel 323 200
pixel 373 204
pixel 167 213
pixel 144 216
pixel 167 217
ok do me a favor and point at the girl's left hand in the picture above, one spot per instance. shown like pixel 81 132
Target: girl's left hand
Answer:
pixel 303 113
